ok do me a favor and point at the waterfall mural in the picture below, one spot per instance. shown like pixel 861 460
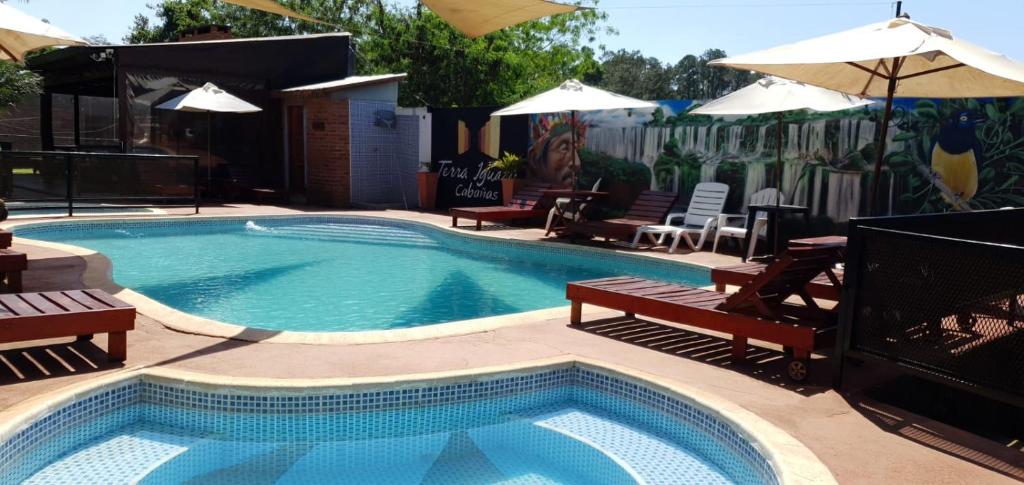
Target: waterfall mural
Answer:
pixel 942 155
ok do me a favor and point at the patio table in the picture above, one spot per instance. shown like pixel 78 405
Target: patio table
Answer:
pixel 774 212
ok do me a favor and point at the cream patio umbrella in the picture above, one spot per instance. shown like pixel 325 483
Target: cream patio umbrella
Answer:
pixel 209 99
pixel 476 18
pixel 897 57
pixel 573 96
pixel 776 95
pixel 21 33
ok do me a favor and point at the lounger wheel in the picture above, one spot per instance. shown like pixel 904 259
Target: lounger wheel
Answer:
pixel 797 370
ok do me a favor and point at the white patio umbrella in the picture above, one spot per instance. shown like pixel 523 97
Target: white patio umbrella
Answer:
pixel 21 33
pixel 209 99
pixel 573 96
pixel 897 57
pixel 776 95
pixel 480 17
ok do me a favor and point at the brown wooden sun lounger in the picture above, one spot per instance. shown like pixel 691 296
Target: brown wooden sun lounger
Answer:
pixel 649 208
pixel 527 203
pixel 12 263
pixel 73 313
pixel 825 286
pixel 6 238
pixel 759 309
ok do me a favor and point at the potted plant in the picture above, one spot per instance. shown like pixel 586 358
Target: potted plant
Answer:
pixel 510 166
pixel 426 181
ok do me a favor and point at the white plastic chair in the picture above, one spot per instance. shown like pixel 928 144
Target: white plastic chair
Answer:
pixel 700 218
pixel 762 197
pixel 562 205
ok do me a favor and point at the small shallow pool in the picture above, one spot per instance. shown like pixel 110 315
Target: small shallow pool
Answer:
pixel 568 425
pixel 326 273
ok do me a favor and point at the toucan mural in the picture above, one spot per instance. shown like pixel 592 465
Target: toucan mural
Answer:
pixel 955 158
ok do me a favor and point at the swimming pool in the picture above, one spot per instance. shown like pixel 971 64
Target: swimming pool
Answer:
pixel 334 273
pixel 562 424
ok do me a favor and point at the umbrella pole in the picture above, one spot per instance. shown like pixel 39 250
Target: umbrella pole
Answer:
pixel 209 151
pixel 778 182
pixel 575 167
pixel 880 149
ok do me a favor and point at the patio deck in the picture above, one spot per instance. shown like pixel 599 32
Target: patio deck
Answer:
pixel 861 441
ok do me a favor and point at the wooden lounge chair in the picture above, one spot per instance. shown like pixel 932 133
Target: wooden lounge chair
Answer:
pixel 527 203
pixel 649 208
pixel 12 263
pixel 825 286
pixel 6 238
pixel 759 309
pixel 73 313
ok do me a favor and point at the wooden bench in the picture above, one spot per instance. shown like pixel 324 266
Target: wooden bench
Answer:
pixel 528 203
pixel 759 310
pixel 12 263
pixel 649 208
pixel 72 313
pixel 825 286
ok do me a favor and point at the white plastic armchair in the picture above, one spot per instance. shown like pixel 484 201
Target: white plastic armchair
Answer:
pixel 762 197
pixel 701 215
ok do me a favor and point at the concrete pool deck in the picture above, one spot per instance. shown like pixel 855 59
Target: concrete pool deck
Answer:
pixel 861 441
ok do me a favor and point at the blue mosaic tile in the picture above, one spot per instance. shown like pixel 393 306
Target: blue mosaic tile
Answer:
pixel 388 414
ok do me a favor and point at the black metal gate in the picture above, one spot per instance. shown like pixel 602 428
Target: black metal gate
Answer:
pixel 941 296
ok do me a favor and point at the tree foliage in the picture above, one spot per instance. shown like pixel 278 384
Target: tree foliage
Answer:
pixel 445 67
pixel 15 84
pixel 632 74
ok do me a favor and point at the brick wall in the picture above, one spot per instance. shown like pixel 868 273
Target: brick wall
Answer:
pixel 328 152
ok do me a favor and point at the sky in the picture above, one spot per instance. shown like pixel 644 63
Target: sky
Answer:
pixel 670 29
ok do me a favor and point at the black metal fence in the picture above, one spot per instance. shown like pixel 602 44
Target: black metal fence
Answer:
pixel 941 296
pixel 47 181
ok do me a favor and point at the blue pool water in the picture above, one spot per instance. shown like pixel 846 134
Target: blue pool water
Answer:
pixel 545 428
pixel 321 274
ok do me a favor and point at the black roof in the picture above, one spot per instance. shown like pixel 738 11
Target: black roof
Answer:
pixel 277 62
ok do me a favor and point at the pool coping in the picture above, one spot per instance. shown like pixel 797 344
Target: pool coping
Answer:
pixel 98 273
pixel 792 461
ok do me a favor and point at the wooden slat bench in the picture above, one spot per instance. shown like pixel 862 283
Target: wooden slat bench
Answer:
pixel 825 286
pixel 72 313
pixel 649 208
pixel 12 264
pixel 528 202
pixel 759 309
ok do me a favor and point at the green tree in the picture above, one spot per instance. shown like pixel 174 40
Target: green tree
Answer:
pixel 15 84
pixel 694 78
pixel 445 67
pixel 631 74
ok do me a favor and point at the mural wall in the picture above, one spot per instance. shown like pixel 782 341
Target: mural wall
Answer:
pixel 941 155
pixel 463 142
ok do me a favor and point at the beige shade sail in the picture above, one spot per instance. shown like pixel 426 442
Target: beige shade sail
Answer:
pixel 273 7
pixel 21 33
pixel 932 62
pixel 476 18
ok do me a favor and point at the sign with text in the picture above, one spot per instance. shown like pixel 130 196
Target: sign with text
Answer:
pixel 464 141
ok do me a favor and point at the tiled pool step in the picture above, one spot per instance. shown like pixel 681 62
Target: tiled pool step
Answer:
pixel 648 458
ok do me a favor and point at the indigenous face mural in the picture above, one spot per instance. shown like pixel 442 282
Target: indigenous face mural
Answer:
pixel 941 155
pixel 551 157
